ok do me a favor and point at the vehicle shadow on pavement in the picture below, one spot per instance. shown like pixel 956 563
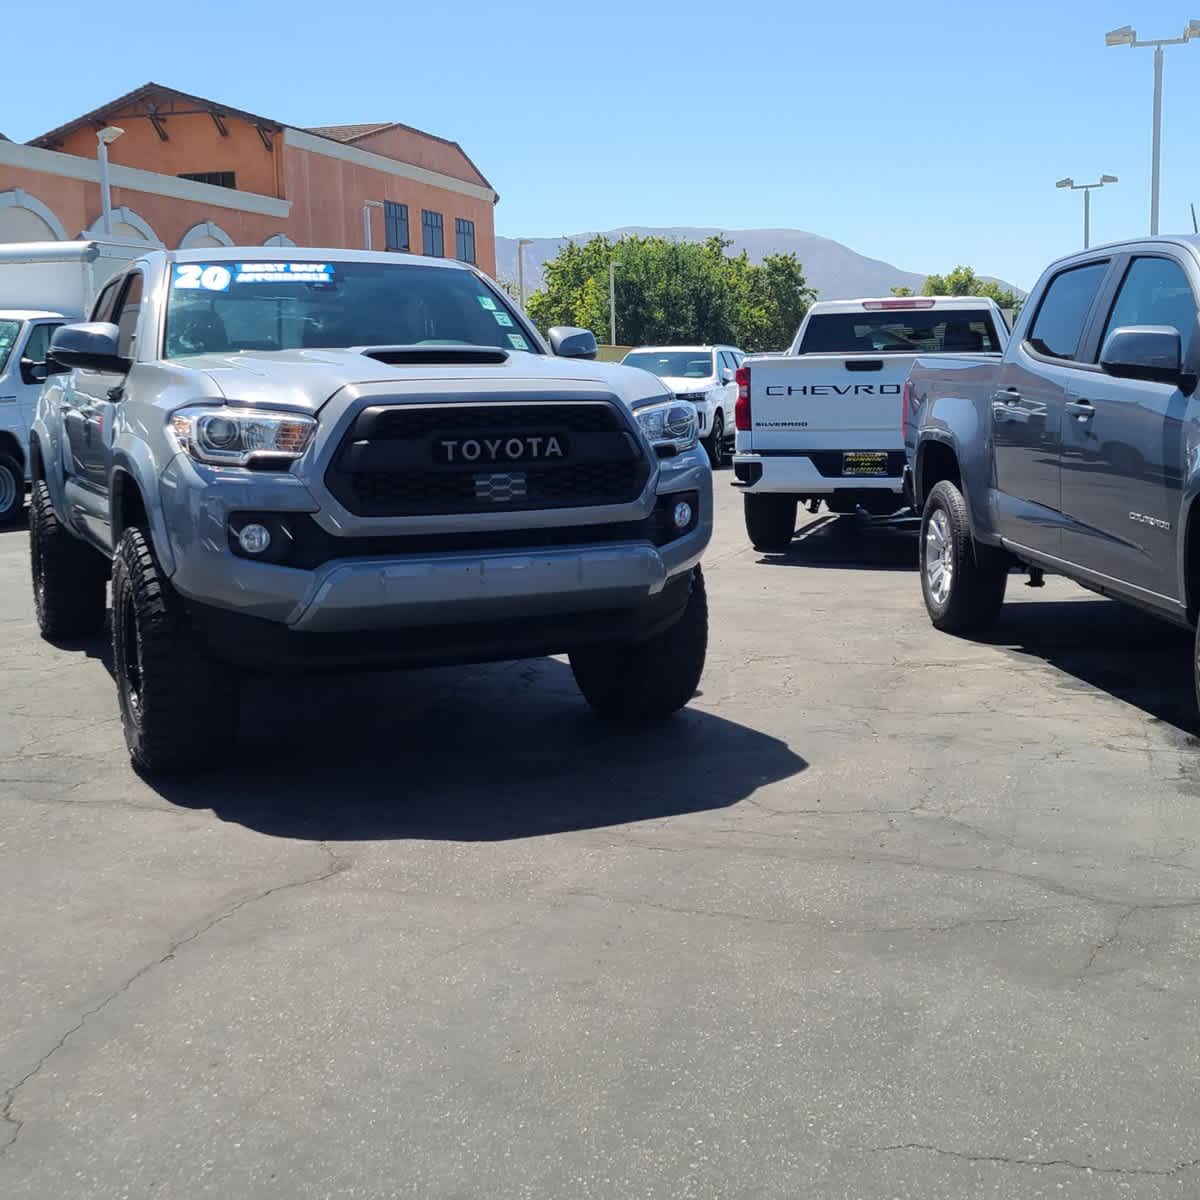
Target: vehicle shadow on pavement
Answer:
pixel 845 543
pixel 483 753
pixel 1107 645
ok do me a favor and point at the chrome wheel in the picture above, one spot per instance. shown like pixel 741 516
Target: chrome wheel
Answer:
pixel 939 557
pixel 8 489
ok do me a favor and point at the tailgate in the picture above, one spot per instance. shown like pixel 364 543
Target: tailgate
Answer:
pixel 827 401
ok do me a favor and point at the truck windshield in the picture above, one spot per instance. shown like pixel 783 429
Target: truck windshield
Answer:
pixel 8 339
pixel 677 364
pixel 911 331
pixel 224 307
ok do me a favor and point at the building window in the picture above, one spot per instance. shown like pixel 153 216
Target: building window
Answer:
pixel 431 230
pixel 226 179
pixel 395 224
pixel 464 240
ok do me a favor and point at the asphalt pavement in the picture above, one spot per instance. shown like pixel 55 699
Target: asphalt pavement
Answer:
pixel 885 914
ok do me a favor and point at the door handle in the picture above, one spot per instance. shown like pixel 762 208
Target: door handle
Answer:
pixel 1008 396
pixel 1081 410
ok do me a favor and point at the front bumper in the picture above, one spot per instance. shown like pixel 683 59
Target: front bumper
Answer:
pixel 797 475
pixel 393 591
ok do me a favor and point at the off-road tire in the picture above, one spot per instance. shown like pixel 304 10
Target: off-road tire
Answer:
pixel 715 443
pixel 648 680
pixel 69 576
pixel 770 521
pixel 969 600
pixel 12 489
pixel 179 707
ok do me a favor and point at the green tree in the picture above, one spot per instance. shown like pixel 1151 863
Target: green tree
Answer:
pixel 902 291
pixel 669 291
pixel 963 281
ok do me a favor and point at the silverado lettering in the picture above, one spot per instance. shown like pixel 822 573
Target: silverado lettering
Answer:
pixel 836 389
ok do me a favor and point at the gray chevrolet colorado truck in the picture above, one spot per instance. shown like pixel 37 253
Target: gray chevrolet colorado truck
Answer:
pixel 1077 451
pixel 324 458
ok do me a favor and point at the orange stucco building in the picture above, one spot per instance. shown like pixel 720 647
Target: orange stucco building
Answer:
pixel 189 172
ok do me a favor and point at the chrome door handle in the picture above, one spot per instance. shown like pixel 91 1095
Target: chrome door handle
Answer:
pixel 1081 410
pixel 1008 396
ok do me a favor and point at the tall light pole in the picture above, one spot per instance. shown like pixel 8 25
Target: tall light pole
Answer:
pixel 1125 36
pixel 521 244
pixel 1086 189
pixel 105 138
pixel 367 206
pixel 612 302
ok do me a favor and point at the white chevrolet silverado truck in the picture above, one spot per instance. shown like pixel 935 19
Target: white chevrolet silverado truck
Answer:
pixel 821 422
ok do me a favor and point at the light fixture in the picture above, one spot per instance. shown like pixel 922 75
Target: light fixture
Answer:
pixel 254 538
pixel 109 134
pixel 1109 179
pixel 1065 183
pixel 1192 30
pixel 1124 36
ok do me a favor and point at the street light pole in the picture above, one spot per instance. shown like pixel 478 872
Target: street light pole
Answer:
pixel 1086 189
pixel 1126 36
pixel 367 206
pixel 104 138
pixel 521 244
pixel 612 302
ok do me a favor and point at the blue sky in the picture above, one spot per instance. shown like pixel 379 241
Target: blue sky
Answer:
pixel 925 135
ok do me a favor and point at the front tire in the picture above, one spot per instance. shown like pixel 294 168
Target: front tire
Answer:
pixel 12 489
pixel 962 581
pixel 715 445
pixel 648 680
pixel 770 521
pixel 179 707
pixel 69 576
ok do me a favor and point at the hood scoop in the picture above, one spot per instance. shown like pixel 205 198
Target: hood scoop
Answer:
pixel 426 356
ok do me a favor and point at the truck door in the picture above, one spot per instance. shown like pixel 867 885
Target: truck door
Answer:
pixel 89 422
pixel 1123 451
pixel 1027 410
pixel 32 369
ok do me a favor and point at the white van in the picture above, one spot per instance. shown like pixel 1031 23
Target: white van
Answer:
pixel 42 286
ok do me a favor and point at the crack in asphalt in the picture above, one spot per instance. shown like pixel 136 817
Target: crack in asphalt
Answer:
pixel 335 865
pixel 1014 1161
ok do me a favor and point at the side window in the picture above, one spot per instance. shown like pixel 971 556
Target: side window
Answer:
pixel 102 309
pixel 38 345
pixel 127 315
pixel 1155 291
pixel 727 361
pixel 1058 326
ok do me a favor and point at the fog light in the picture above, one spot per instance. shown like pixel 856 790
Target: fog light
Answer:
pixel 682 514
pixel 253 538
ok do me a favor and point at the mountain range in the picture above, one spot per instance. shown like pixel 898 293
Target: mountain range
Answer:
pixel 834 270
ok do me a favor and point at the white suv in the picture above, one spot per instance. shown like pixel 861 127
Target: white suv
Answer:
pixel 705 376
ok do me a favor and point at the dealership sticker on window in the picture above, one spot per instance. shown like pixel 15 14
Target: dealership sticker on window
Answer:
pixel 284 272
pixel 487 302
pixel 502 318
pixel 517 342
pixel 199 275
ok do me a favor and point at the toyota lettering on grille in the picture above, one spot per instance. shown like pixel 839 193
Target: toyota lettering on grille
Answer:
pixel 523 448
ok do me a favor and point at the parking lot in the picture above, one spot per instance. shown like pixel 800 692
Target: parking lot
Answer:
pixel 883 914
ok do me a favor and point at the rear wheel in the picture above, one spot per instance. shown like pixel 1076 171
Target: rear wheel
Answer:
pixel 715 445
pixel 69 576
pixel 12 489
pixel 178 706
pixel 652 679
pixel 963 582
pixel 770 521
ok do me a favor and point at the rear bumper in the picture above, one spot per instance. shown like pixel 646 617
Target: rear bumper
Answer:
pixel 797 475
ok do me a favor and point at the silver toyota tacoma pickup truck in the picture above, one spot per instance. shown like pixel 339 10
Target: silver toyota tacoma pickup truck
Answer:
pixel 325 458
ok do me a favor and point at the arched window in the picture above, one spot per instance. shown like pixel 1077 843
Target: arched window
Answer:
pixel 205 236
pixel 24 218
pixel 279 239
pixel 126 225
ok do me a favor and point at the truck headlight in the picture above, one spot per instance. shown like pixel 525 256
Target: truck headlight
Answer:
pixel 670 425
pixel 237 436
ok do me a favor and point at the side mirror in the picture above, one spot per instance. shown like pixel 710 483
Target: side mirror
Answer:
pixel 727 376
pixel 34 372
pixel 1143 352
pixel 92 345
pixel 568 342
